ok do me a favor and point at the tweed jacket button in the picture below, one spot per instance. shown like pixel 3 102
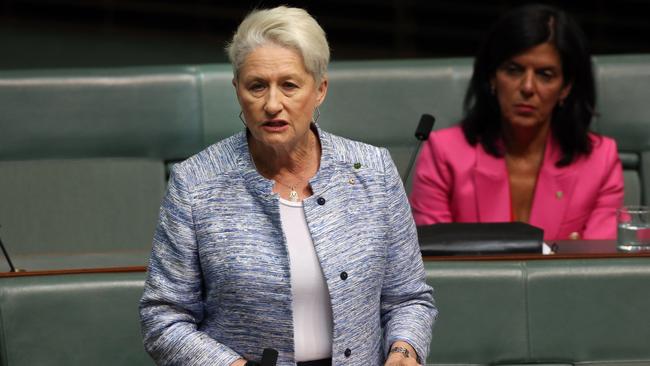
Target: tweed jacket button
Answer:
pixel 320 201
pixel 344 275
pixel 347 352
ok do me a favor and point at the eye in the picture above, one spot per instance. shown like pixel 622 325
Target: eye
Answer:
pixel 288 85
pixel 512 69
pixel 546 75
pixel 256 87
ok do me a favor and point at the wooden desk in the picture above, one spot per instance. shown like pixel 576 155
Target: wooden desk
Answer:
pixel 73 271
pixel 77 263
pixel 564 249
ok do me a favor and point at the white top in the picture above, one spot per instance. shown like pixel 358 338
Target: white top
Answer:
pixel 312 309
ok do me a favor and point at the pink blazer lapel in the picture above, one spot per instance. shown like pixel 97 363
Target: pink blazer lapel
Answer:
pixel 492 187
pixel 553 192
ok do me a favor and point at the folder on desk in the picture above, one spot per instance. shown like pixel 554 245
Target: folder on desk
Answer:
pixel 480 238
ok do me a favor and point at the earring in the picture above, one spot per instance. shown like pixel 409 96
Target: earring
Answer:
pixel 241 118
pixel 315 119
pixel 560 103
pixel 493 89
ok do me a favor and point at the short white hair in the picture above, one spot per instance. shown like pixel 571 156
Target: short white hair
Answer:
pixel 286 27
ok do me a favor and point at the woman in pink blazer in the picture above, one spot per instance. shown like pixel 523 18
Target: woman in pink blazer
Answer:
pixel 524 152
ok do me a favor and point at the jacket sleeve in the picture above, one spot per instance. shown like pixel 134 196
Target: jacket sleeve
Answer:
pixel 407 306
pixel 601 223
pixel 171 307
pixel 432 184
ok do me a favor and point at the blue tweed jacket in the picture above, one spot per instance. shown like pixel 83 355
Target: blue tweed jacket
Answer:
pixel 218 286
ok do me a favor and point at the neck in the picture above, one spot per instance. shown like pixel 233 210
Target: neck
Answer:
pixel 521 142
pixel 288 164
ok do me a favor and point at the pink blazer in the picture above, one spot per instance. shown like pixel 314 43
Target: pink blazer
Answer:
pixel 457 182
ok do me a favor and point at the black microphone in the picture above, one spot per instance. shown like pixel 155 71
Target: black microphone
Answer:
pixel 269 357
pixel 4 251
pixel 422 134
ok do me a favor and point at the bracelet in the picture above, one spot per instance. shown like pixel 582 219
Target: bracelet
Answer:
pixel 401 350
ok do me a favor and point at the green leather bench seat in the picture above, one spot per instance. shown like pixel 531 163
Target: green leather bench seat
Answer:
pixel 623 83
pixel 123 112
pixel 380 102
pixel 154 116
pixel 622 100
pixel 632 177
pixel 68 207
pixel 482 312
pixel 83 155
pixel 584 312
pixel 590 310
pixel 220 110
pixel 544 312
pixel 71 320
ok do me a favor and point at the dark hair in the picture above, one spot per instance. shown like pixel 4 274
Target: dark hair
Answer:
pixel 517 31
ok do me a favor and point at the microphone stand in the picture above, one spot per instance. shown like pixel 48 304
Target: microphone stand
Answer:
pixel 414 154
pixel 421 134
pixel 4 251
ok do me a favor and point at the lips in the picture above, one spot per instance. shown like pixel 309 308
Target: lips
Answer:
pixel 275 123
pixel 525 108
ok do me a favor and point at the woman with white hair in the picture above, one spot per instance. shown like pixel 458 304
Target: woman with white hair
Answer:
pixel 284 236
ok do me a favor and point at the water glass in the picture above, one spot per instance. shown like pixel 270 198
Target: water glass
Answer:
pixel 633 228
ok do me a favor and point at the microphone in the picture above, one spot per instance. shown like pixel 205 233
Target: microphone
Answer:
pixel 422 134
pixel 269 357
pixel 4 252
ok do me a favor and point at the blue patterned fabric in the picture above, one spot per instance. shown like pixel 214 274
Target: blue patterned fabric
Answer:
pixel 218 286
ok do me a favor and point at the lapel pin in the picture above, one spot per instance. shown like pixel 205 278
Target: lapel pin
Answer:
pixel 559 195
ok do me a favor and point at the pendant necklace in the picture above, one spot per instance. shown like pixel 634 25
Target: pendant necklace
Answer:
pixel 293 194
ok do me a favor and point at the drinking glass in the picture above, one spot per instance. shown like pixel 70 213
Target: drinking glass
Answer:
pixel 633 228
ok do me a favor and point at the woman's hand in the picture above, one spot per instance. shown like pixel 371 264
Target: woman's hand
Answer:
pixel 400 359
pixel 239 362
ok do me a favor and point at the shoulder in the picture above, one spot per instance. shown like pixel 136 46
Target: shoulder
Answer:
pixel 603 155
pixel 602 143
pixel 350 152
pixel 452 134
pixel 216 160
pixel 603 148
pixel 449 141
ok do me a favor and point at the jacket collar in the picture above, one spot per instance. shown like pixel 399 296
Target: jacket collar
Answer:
pixel 553 191
pixel 264 187
pixel 492 187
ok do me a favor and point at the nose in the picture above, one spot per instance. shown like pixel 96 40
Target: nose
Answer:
pixel 273 103
pixel 528 83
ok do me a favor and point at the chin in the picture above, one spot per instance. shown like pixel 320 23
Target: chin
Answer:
pixel 272 139
pixel 525 122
